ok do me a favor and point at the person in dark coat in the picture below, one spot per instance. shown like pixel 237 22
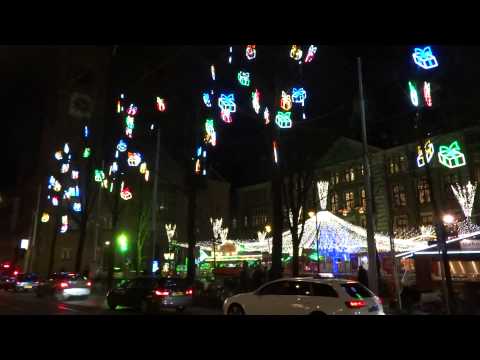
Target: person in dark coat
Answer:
pixel 257 277
pixel 244 277
pixel 362 276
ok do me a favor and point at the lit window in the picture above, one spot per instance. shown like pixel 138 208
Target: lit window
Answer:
pixel 363 199
pixel 426 219
pixel 400 223
pixel 423 191
pixel 349 200
pixel 334 202
pixel 399 195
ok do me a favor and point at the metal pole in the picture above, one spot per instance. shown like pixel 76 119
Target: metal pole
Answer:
pixel 372 252
pixel 31 249
pixel 155 196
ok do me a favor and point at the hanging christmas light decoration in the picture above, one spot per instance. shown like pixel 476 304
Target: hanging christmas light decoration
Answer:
pixel 147 175
pixel 296 52
pixel 130 122
pixel 426 94
pixel 77 207
pixel 116 154
pixel 99 175
pixel 451 156
pixel 206 100
pixel 230 56
pixel 226 117
pixel 143 168
pixel 161 104
pixel 74 175
pixel 57 187
pixel 66 148
pixel 111 187
pixel 275 155
pixel 212 70
pixel 52 181
pixel 310 53
pixel 128 132
pixel 55 200
pixel 119 108
pixel 45 217
pixel 105 184
pixel 322 188
pixel 58 155
pixel 266 116
pixel 465 196
pixel 114 167
pixel 429 151
pixel 132 110
pixel 64 227
pixel 413 93
pixel 86 152
pixel 256 101
pixel 85 132
pixel 424 58
pixel 211 135
pixel 286 101
pixel 299 96
pixel 251 52
pixel 197 166
pixel 244 78
pixel 283 120
pixel 65 168
pixel 126 194
pixel 121 146
pixel 134 159
pixel 227 102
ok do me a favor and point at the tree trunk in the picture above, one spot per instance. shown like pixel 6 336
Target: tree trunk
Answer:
pixel 276 270
pixel 295 257
pixel 192 205
pixel 81 242
pixel 53 246
pixel 111 250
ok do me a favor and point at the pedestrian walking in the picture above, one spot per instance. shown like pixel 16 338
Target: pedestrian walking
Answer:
pixel 362 276
pixel 244 279
pixel 257 277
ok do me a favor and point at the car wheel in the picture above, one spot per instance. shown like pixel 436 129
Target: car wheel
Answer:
pixel 235 309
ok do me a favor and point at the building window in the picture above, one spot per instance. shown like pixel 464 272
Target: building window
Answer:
pixel 336 178
pixel 400 223
pixel 403 163
pixel 349 200
pixel 450 179
pixel 360 170
pixel 363 199
pixel 234 223
pixel 349 175
pixel 399 195
pixel 426 219
pixel 66 254
pixel 245 221
pixel 397 164
pixel 334 202
pixel 423 191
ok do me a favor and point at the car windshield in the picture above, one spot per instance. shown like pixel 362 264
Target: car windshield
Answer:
pixel 357 290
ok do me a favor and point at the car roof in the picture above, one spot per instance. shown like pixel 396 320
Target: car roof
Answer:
pixel 317 280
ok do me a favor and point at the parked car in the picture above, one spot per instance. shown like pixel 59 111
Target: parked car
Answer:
pixel 7 277
pixel 150 294
pixel 64 286
pixel 306 296
pixel 22 282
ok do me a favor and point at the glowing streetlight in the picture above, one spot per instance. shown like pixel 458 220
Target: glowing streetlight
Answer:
pixel 448 219
pixel 268 228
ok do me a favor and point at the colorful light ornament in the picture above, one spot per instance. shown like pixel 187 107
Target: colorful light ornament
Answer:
pixel 212 70
pixel 206 100
pixel 296 52
pixel 116 154
pixel 286 101
pixel 132 110
pixel 55 200
pixel 199 151
pixel 310 53
pixel 52 181
pixel 197 167
pixel 251 52
pixel 85 132
pixel 66 148
pixel 114 167
pixel 122 146
pixel 256 101
pixel 119 107
pixel 126 194
pixel 226 116
pixel 77 207
pixel 413 93
pixel 426 94
pixel 134 159
pixel 45 217
pixel 230 56
pixel 74 174
pixel 266 116
pixel 227 102
pixel 64 226
pixel 143 168
pixel 465 196
pixel 129 133
pixel 58 155
pixel 283 120
pixel 429 151
pixel 147 175
pixel 86 152
pixel 57 187
pixel 161 104
pixel 451 156
pixel 211 136
pixel 99 175
pixel 244 78
pixel 299 96
pixel 130 122
pixel 425 58
pixel 275 155
pixel 65 168
pixel 105 184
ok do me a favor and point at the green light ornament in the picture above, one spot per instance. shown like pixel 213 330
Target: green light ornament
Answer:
pixel 451 156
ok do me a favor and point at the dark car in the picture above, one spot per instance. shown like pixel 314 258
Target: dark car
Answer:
pixel 64 286
pixel 150 294
pixel 22 282
pixel 7 277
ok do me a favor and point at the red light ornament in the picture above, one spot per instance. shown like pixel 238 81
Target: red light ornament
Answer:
pixel 126 194
pixel 161 104
pixel 426 94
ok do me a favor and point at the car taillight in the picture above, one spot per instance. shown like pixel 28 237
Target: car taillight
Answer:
pixel 162 292
pixel 355 304
pixel 15 273
pixel 89 283
pixel 64 285
pixel 189 292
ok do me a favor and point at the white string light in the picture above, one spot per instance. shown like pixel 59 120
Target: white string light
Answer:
pixel 465 196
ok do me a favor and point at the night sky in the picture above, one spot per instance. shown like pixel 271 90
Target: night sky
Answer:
pixel 182 73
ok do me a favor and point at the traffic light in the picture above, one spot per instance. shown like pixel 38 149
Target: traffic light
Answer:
pixel 122 242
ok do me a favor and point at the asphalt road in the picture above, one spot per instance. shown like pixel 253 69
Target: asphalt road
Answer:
pixel 28 304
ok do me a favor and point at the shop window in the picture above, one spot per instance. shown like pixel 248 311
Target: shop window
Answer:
pixel 399 196
pixel 423 191
pixel 349 200
pixel 400 223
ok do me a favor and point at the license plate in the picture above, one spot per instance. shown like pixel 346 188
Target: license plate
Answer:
pixel 178 293
pixel 28 286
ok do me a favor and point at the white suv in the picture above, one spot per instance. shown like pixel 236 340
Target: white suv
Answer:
pixel 306 296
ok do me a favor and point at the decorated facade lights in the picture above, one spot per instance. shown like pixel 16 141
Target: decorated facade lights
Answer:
pixel 105 184
pixel 122 146
pixel 322 188
pixel 251 52
pixel 57 186
pixel 425 58
pixel 285 101
pixel 58 155
pixel 211 135
pixel 114 167
pixel 55 200
pixel 429 151
pixel 77 207
pixel 126 194
pixel 212 70
pixel 161 104
pixel 427 94
pixel 299 96
pixel 413 93
pixel 86 152
pixel 85 132
pixel 147 175
pixel 143 168
pixel 451 156
pixel 206 100
pixel 99 175
pixel 256 101
pixel 134 159
pixel 244 78
pixel 465 196
pixel 226 116
pixel 310 53
pixel 227 102
pixel 283 120
pixel 296 52
pixel 64 227
pixel 45 217
pixel 230 56
pixel 266 116
pixel 65 168
pixel 74 175
pixel 51 181
pixel 132 110
pixel 66 148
